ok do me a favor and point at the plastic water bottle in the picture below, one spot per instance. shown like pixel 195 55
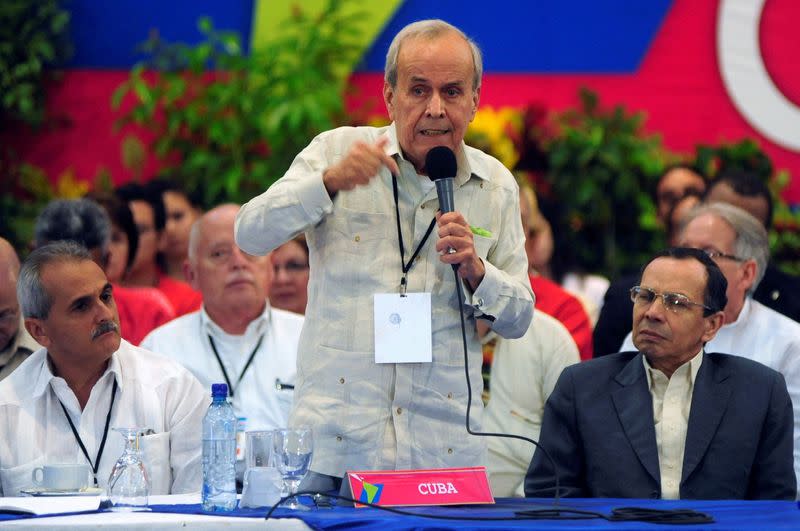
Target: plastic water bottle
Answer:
pixel 219 452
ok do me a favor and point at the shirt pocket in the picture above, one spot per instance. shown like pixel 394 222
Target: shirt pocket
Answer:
pixel 19 477
pixel 156 449
pixel 483 245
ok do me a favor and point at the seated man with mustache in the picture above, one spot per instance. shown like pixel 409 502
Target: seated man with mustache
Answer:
pixel 61 403
pixel 236 337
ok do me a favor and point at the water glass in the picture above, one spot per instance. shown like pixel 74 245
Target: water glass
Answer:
pixel 128 486
pixel 292 452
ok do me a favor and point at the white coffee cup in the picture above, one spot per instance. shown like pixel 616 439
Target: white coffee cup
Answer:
pixel 73 476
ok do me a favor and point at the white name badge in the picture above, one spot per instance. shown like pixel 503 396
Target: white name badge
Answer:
pixel 403 328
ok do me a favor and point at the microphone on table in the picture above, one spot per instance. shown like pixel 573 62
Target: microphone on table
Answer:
pixel 440 163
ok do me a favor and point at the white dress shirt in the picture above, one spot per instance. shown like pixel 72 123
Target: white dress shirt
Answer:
pixel 390 416
pixel 264 394
pixel 153 392
pixel 524 373
pixel 672 406
pixel 765 336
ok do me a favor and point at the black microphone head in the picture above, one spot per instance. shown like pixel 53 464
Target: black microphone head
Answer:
pixel 440 163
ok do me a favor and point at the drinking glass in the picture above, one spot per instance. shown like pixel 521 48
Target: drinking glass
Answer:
pixel 293 448
pixel 128 484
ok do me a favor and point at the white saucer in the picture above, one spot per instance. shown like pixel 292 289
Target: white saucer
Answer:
pixel 41 491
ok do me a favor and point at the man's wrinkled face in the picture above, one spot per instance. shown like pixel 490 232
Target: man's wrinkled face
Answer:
pixel 223 273
pixel 713 234
pixel 83 324
pixel 433 102
pixel 672 336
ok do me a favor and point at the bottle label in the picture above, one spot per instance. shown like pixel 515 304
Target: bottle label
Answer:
pixel 241 428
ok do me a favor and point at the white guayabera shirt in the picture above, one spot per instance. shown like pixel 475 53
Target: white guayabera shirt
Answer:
pixel 390 416
pixel 153 393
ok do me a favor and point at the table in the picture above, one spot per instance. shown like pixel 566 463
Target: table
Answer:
pixel 749 515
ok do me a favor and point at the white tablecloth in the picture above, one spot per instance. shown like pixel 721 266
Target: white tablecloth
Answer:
pixel 153 521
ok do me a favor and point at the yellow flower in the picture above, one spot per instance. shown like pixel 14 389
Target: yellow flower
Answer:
pixel 68 187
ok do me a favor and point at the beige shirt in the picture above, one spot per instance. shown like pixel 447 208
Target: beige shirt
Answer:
pixel 672 404
pixel 390 416
pixel 17 351
pixel 524 373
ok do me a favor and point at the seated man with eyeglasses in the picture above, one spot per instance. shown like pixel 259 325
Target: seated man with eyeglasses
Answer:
pixel 671 420
pixel 738 244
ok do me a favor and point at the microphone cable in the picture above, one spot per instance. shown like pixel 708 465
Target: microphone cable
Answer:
pixel 460 297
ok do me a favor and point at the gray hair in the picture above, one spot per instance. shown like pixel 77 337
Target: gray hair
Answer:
pixel 752 241
pixel 429 29
pixel 80 220
pixel 197 226
pixel 34 301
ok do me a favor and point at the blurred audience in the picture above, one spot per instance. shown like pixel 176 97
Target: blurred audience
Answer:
pixel 16 344
pixel 236 337
pixel 182 209
pixel 149 214
pixel 85 222
pixel 676 183
pixel 551 298
pixel 289 289
pixel 777 290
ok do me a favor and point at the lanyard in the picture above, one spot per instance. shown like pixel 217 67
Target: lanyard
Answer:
pixel 246 365
pixel 96 464
pixel 406 267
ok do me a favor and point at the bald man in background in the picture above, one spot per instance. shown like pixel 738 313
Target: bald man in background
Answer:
pixel 15 342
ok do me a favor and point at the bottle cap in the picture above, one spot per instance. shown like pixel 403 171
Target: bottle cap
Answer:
pixel 219 389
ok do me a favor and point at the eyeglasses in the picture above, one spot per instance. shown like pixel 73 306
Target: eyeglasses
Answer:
pixel 716 254
pixel 291 268
pixel 674 301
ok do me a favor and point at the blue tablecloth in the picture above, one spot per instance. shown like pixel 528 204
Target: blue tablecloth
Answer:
pixel 727 515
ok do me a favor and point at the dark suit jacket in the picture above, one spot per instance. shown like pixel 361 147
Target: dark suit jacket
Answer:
pixel 598 427
pixel 777 290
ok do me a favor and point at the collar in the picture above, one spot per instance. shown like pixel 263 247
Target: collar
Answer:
pixel 45 375
pixel 256 326
pixel 22 341
pixel 694 366
pixel 744 314
pixel 468 163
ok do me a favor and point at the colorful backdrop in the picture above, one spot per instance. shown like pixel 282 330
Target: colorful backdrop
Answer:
pixel 703 71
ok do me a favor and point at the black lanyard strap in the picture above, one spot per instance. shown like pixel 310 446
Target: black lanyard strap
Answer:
pixel 246 365
pixel 96 464
pixel 406 267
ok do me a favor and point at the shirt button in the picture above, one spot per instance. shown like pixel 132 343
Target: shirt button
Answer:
pixel 357 238
pixel 338 438
pixel 341 380
pixel 422 207
pixel 449 450
pixel 399 411
pixel 449 395
pixel 481 185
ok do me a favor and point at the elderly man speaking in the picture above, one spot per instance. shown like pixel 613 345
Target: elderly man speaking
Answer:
pixel 368 208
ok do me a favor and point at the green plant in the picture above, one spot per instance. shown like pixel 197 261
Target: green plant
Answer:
pixel 602 169
pixel 784 235
pixel 232 132
pixel 33 35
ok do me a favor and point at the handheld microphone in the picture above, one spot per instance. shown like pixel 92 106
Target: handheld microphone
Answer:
pixel 440 163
